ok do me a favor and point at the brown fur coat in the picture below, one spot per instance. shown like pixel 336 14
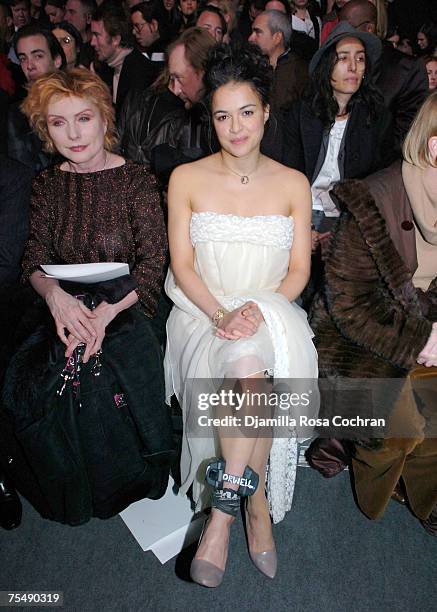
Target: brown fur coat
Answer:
pixel 369 321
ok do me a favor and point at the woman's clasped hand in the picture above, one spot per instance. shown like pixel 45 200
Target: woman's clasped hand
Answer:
pixel 241 322
pixel 428 355
pixel 76 324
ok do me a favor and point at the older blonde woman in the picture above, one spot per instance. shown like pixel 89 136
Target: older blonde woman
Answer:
pixel 377 319
pixel 104 208
pixel 94 207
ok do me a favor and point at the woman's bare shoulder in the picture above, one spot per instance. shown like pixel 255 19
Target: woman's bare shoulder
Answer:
pixel 298 179
pixel 193 170
pixel 291 186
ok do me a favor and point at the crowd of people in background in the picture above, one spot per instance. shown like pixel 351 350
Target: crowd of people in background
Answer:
pixel 127 48
pixel 154 25
pixel 343 89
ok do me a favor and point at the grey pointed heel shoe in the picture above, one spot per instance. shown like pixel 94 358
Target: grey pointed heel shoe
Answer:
pixel 266 562
pixel 205 573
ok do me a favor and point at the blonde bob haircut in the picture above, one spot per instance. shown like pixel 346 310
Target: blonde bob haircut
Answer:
pixel 78 82
pixel 424 127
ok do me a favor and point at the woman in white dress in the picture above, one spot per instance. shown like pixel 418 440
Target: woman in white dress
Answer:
pixel 240 245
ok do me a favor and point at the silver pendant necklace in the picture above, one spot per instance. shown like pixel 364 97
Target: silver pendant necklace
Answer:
pixel 244 178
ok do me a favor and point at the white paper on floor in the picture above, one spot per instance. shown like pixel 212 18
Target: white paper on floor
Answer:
pixel 164 526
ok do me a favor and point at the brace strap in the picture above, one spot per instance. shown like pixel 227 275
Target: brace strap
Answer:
pixel 217 477
pixel 227 501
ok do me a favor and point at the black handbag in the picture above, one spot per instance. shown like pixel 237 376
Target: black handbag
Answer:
pixel 95 436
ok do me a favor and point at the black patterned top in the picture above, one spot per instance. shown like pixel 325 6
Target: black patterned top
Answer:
pixel 111 215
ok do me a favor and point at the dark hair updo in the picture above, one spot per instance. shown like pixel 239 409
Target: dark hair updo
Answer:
pixel 238 63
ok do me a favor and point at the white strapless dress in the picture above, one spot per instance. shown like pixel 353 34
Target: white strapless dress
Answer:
pixel 239 259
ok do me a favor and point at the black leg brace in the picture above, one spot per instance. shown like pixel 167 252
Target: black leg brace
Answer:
pixel 225 499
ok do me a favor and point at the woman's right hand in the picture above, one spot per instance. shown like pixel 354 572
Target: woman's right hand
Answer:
pixel 71 314
pixel 240 323
pixel 428 355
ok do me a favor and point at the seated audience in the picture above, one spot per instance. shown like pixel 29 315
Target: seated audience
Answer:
pixel 427 39
pixel 229 12
pixel 149 118
pixel 381 18
pixel 20 13
pixel 331 19
pixel 431 70
pixel 405 46
pixel 221 259
pixel 409 16
pixel 6 26
pixel 154 127
pixel 39 53
pixel 187 13
pixel 402 80
pixel 113 45
pixel 71 42
pixel 304 45
pixel 211 19
pixel 55 11
pixel 20 18
pixel 36 14
pixel 146 28
pixel 250 11
pixel 393 36
pixel 115 437
pixel 79 13
pixel 376 319
pixel 170 19
pixel 169 124
pixel 271 32
pixel 341 128
pixel 304 20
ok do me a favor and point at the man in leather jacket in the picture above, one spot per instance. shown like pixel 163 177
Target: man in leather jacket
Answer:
pixel 170 124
